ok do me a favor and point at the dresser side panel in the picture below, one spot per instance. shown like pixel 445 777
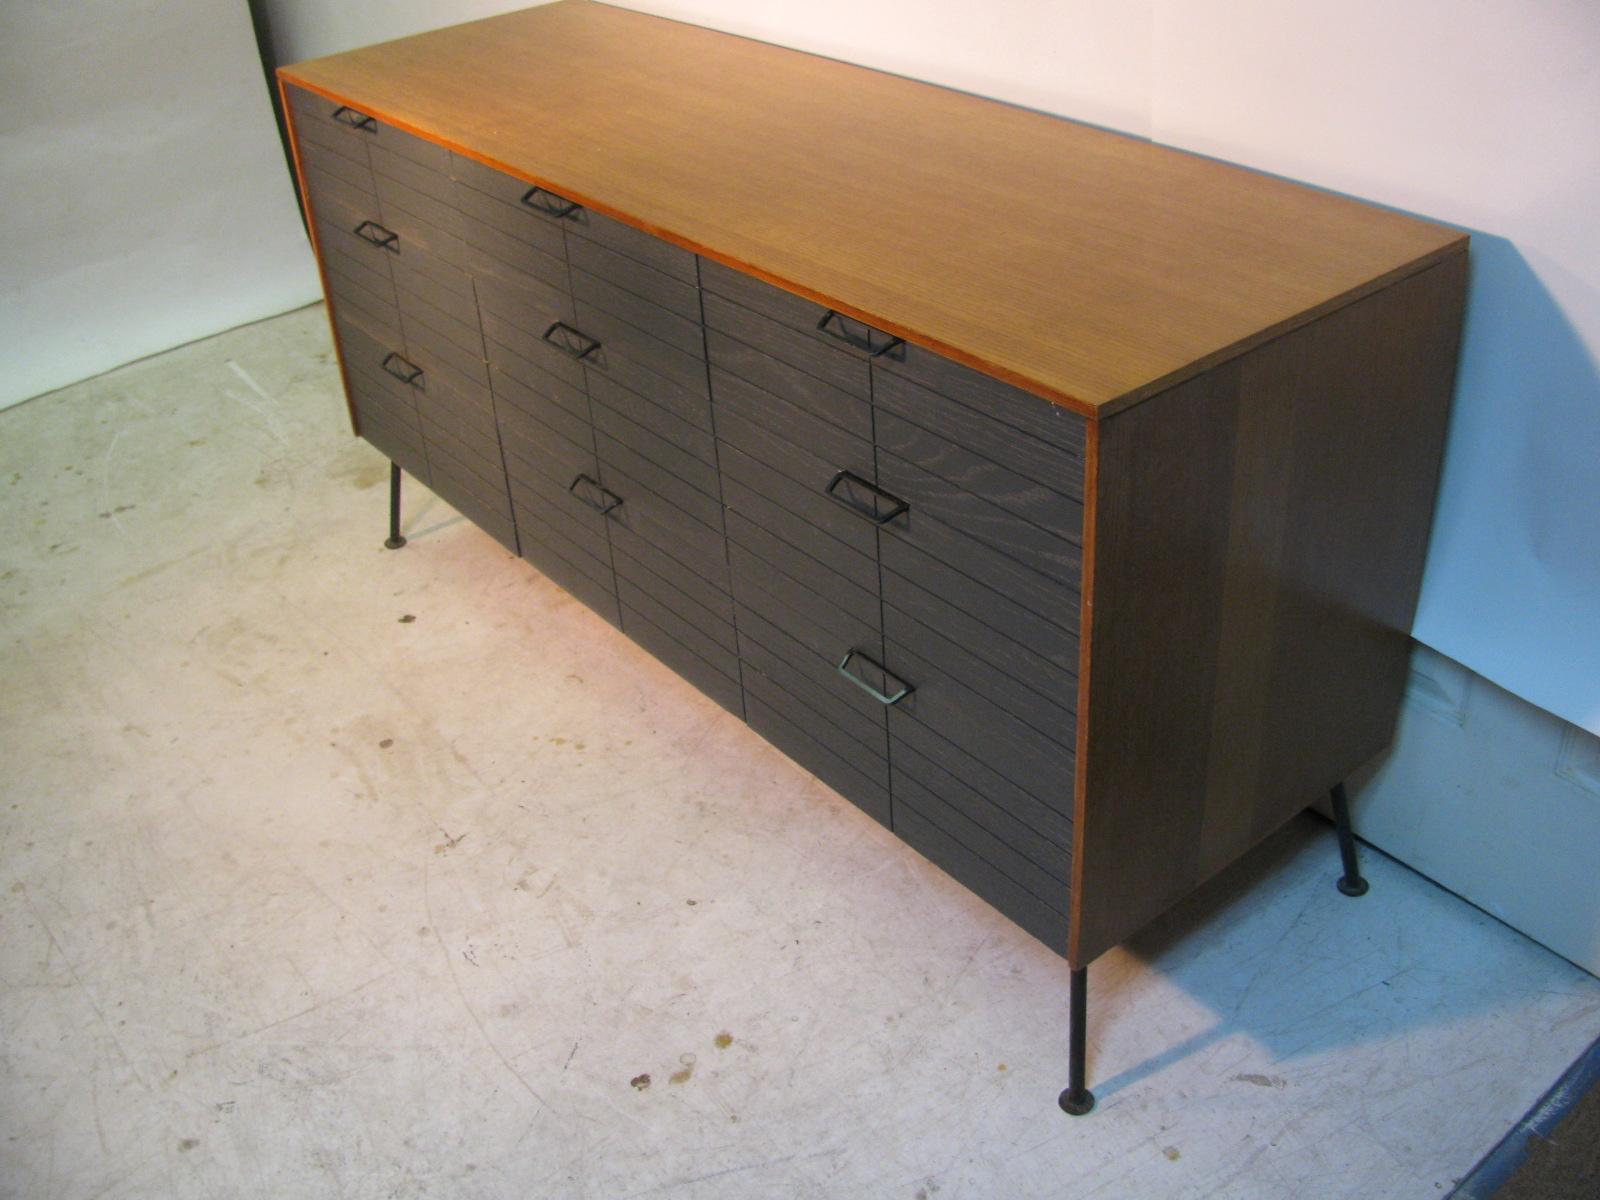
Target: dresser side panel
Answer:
pixel 1259 543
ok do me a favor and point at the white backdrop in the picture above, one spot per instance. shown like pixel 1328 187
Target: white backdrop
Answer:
pixel 1486 115
pixel 146 200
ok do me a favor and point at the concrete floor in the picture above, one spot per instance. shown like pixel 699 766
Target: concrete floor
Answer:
pixel 330 871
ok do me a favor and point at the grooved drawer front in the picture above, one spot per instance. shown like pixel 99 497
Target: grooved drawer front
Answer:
pixel 635 243
pixel 849 410
pixel 762 335
pixel 800 744
pixel 672 292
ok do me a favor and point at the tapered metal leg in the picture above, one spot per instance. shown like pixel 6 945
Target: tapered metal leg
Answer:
pixel 1351 883
pixel 395 540
pixel 1077 1099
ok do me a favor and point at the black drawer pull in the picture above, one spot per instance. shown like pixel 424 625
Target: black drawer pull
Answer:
pixel 569 341
pixel 354 119
pixel 591 489
pixel 833 324
pixel 898 689
pixel 405 372
pixel 897 506
pixel 386 239
pixel 548 203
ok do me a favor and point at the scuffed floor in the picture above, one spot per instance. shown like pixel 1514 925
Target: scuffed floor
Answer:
pixel 331 871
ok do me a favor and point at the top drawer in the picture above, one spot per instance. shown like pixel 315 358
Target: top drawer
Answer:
pixel 341 127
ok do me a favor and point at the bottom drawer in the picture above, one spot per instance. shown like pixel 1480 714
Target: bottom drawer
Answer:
pixel 870 797
pixel 496 522
pixel 682 660
pixel 567 565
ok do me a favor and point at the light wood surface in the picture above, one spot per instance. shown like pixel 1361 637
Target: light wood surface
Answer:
pixel 1091 268
pixel 1256 557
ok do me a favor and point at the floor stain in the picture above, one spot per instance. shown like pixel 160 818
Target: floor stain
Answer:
pixel 723 1040
pixel 449 843
pixel 1172 1152
pixel 681 1075
pixel 385 744
pixel 408 618
pixel 639 1082
pixel 1266 1081
pixel 188 1144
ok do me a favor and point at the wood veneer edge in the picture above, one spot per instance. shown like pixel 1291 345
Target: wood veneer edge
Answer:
pixel 316 251
pixel 1080 774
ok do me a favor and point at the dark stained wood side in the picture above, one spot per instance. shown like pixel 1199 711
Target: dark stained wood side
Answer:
pixel 1257 552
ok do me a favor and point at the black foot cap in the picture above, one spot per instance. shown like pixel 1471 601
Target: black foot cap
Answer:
pixel 1076 1105
pixel 395 543
pixel 1356 886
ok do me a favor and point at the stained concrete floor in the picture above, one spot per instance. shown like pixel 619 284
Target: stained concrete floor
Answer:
pixel 330 871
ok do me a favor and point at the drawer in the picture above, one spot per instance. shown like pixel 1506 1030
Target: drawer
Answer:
pixel 440 381
pixel 515 347
pixel 801 746
pixel 965 473
pixel 495 520
pixel 771 554
pixel 469 446
pixel 421 221
pixel 366 282
pixel 972 617
pixel 441 285
pixel 537 416
pixel 831 330
pixel 802 515
pixel 705 511
pixel 622 341
pixel 491 253
pixel 962 664
pixel 347 186
pixel 691 471
pixel 426 169
pixel 675 612
pixel 977 725
pixel 1056 464
pixel 671 292
pixel 758 336
pixel 658 520
pixel 1034 415
pixel 973 517
pixel 567 519
pixel 813 680
pixel 524 304
pixel 567 565
pixel 1043 921
pixel 642 625
pixel 733 360
pixel 496 199
pixel 438 342
pixel 691 437
pixel 828 621
pixel 717 603
pixel 680 332
pixel 1051 601
pixel 611 371
pixel 352 127
pixel 374 398
pixel 321 162
pixel 1010 816
pixel 1050 887
pixel 871 762
pixel 361 349
pixel 448 459
pixel 624 239
pixel 533 446
pixel 784 436
pixel 373 310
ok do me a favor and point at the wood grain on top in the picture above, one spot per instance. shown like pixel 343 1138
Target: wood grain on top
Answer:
pixel 1089 267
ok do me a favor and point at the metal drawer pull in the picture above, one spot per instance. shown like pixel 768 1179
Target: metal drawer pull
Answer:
pixel 833 324
pixel 569 341
pixel 386 239
pixel 354 119
pixel 886 698
pixel 548 203
pixel 897 506
pixel 608 500
pixel 405 372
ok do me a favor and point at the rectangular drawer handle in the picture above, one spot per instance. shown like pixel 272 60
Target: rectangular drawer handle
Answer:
pixel 570 341
pixel 356 120
pixel 385 239
pixel 897 506
pixel 896 689
pixel 405 372
pixel 595 496
pixel 833 325
pixel 541 200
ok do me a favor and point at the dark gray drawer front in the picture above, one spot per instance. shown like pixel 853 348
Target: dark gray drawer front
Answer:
pixel 754 332
pixel 809 677
pixel 644 627
pixel 379 396
pixel 1047 924
pixel 468 448
pixel 373 310
pixel 430 178
pixel 559 511
pixel 691 437
pixel 677 613
pixel 849 411
pixel 1034 415
pixel 567 565
pixel 490 253
pixel 513 347
pixel 981 728
pixel 699 493
pixel 799 744
pixel 774 692
pixel 689 501
pixel 716 602
pixel 1056 464
pixel 420 220
pixel 393 442
pixel 648 249
pixel 810 320
pixel 815 618
pixel 784 436
pixel 540 415
pixel 323 162
pixel 672 293
pixel 680 332
pixel 533 446
pixel 656 519
pixel 342 188
pixel 494 521
pixel 620 340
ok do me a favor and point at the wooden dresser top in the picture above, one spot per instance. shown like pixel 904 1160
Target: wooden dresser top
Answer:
pixel 1092 268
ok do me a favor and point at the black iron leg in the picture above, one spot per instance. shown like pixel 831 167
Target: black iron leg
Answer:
pixel 395 540
pixel 1351 883
pixel 1077 1099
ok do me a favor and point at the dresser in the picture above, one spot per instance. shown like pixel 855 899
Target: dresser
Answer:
pixel 1057 498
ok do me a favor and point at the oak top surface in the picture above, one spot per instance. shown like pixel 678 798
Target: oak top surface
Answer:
pixel 1086 266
